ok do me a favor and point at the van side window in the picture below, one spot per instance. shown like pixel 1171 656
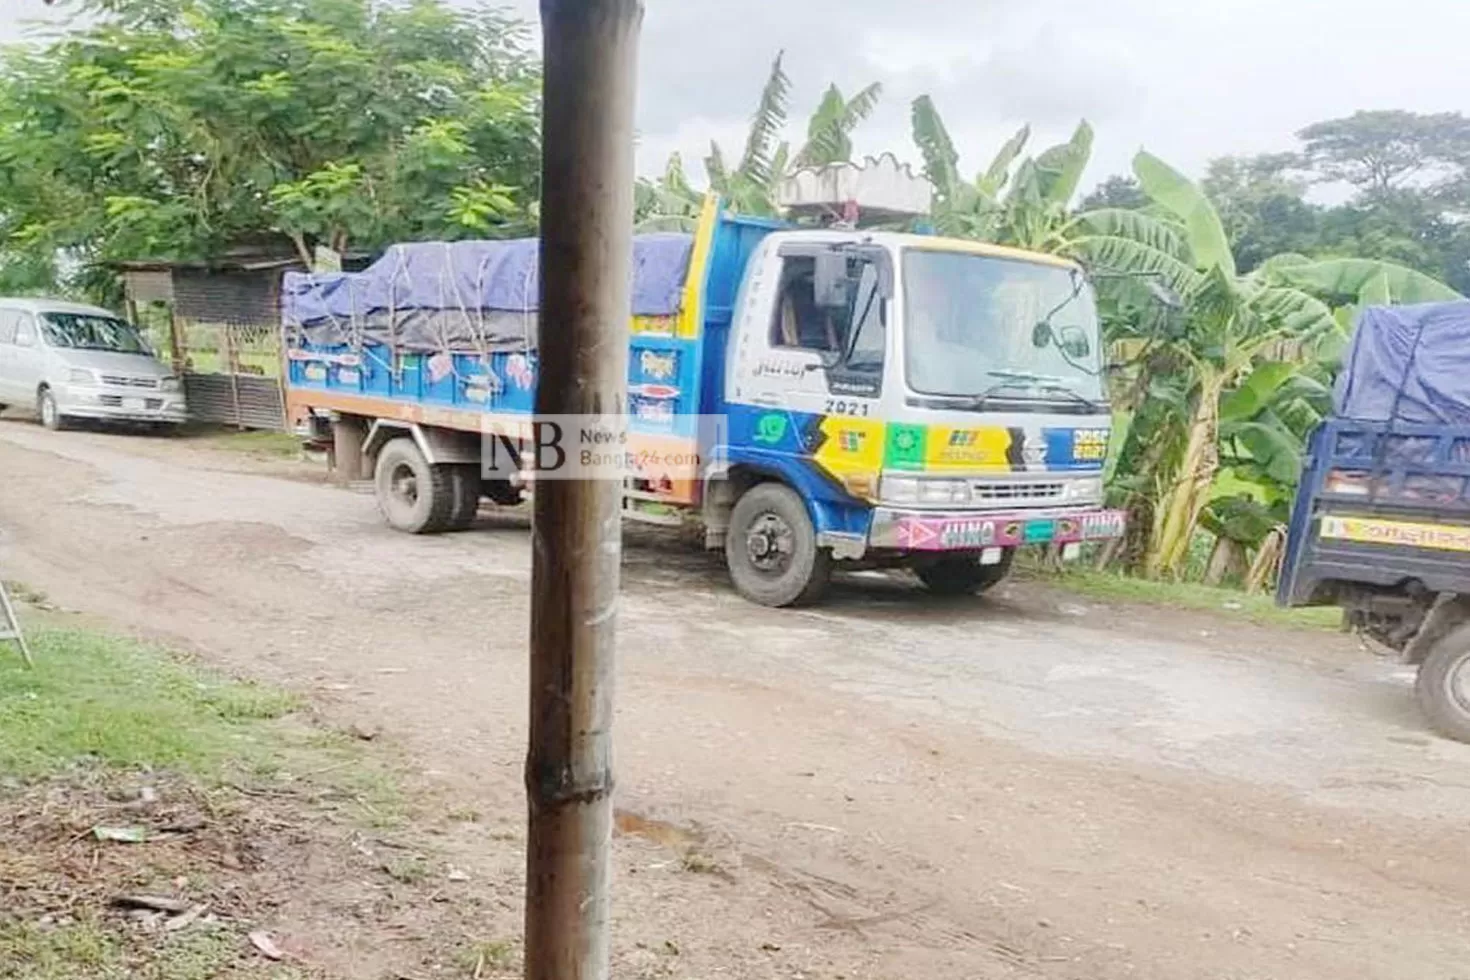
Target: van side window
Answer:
pixel 8 321
pixel 25 330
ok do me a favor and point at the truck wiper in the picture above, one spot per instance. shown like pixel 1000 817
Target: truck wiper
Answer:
pixel 1048 383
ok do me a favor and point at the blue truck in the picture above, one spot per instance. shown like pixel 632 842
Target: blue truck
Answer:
pixel 884 399
pixel 1381 521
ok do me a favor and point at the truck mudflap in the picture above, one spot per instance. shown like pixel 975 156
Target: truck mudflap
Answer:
pixel 918 530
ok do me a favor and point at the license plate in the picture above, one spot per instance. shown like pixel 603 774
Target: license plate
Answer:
pixel 1039 532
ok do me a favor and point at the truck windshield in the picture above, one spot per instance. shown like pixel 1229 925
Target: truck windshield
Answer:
pixel 86 331
pixel 972 328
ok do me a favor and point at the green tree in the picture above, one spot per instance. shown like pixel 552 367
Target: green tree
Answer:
pixel 1262 203
pixel 176 128
pixel 1382 150
pixel 1117 192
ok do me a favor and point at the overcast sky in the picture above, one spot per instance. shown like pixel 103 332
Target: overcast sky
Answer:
pixel 1188 79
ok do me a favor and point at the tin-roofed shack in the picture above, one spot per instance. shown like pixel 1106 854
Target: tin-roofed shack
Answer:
pixel 219 323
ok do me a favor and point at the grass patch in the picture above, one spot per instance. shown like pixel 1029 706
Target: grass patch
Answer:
pixel 88 950
pixel 277 445
pixel 100 699
pixel 478 958
pixel 228 796
pixel 1260 609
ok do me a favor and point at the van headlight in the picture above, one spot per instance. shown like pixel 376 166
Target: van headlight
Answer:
pixel 80 376
pixel 917 490
pixel 1087 491
pixel 170 384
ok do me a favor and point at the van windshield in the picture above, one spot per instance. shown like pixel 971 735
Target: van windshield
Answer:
pixel 973 321
pixel 88 331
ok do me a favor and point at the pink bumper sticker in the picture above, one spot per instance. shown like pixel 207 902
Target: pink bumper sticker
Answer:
pixel 940 533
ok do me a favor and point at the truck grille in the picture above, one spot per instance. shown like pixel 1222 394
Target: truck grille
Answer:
pixel 1017 493
pixel 125 381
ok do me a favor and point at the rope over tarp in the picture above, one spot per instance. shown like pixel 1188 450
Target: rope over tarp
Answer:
pixel 472 297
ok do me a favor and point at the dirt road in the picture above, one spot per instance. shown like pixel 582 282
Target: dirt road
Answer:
pixel 887 786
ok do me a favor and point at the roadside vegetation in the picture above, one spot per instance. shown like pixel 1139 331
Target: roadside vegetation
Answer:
pixel 159 821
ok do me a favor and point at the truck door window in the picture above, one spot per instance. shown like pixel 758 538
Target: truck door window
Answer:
pixel 799 322
pixel 860 372
pixel 868 340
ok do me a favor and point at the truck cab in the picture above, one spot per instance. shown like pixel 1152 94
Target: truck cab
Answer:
pixel 933 403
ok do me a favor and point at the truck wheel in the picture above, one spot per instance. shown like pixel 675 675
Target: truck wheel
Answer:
pixel 1443 686
pixel 957 575
pixel 464 480
pixel 413 496
pixel 772 551
pixel 502 492
pixel 49 411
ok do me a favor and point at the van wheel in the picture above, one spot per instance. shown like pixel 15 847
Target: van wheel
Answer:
pixel 49 411
pixel 413 496
pixel 956 575
pixel 771 549
pixel 1443 686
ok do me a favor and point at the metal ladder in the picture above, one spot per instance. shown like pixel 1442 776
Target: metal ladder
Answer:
pixel 10 626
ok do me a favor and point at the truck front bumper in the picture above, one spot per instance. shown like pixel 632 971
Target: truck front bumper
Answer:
pixel 927 530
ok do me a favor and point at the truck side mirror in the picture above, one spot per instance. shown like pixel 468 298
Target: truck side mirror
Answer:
pixel 1073 342
pixel 830 283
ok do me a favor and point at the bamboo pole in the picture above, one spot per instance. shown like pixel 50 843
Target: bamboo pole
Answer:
pixel 586 255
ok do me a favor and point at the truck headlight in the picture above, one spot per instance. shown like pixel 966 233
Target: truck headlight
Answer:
pixel 899 489
pixel 1088 491
pixel 944 492
pixel 81 376
pixel 917 490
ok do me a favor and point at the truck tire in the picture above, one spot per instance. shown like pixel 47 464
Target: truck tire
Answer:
pixel 502 492
pixel 413 496
pixel 465 484
pixel 963 575
pixel 1443 686
pixel 772 551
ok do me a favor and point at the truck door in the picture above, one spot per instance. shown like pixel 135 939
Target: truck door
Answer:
pixel 814 356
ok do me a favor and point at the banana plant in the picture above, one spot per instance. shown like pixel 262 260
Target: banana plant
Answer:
pixel 1229 321
pixel 1013 201
pixel 669 203
pixel 749 186
pixel 829 132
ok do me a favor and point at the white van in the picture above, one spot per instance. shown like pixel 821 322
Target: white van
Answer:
pixel 73 361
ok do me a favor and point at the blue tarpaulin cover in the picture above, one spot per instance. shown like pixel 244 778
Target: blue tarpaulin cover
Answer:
pixel 471 295
pixel 1408 364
